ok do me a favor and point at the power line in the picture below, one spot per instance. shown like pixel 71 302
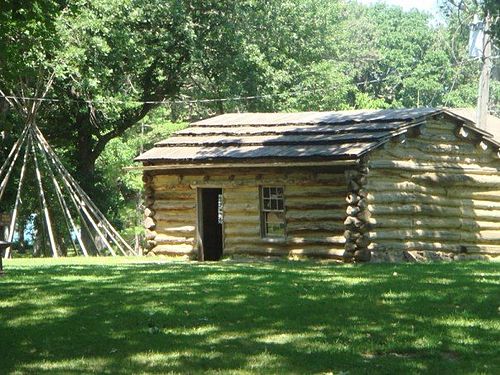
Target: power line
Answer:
pixel 194 101
pixel 211 100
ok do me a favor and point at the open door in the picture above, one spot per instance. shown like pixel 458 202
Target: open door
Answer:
pixel 210 221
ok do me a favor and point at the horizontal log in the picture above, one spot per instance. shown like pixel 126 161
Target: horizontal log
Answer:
pixel 165 239
pixel 170 188
pixel 314 215
pixel 251 241
pixel 482 159
pixel 448 223
pixel 162 225
pixel 176 216
pixel 233 196
pixel 164 180
pixel 335 226
pixel 174 195
pixel 443 137
pixel 277 251
pixel 175 205
pixel 486 193
pixel 318 252
pixel 177 229
pixel 430 179
pixel 236 179
pixel 433 246
pixel 173 250
pixel 230 211
pixel 315 206
pixel 420 198
pixel 316 191
pixel 255 250
pixel 455 168
pixel 463 149
pixel 434 210
pixel 240 219
pixel 241 190
pixel 242 229
pixel 437 235
pixel 340 240
pixel 307 198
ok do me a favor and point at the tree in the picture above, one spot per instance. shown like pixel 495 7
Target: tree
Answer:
pixel 115 53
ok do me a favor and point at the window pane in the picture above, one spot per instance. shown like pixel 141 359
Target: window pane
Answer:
pixel 280 204
pixel 275 224
pixel 266 192
pixel 267 204
pixel 274 204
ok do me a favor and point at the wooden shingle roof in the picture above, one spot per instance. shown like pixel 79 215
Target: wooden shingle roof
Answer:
pixel 240 137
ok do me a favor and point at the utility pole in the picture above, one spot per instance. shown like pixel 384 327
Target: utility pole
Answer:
pixel 484 80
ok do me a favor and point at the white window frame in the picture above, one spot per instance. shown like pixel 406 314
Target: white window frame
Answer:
pixel 280 208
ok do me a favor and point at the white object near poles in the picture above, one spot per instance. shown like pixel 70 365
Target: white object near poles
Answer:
pixel 476 38
pixel 484 80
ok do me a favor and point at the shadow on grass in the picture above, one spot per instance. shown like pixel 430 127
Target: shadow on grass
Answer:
pixel 283 317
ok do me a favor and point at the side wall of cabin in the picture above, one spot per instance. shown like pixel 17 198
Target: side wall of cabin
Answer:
pixel 434 194
pixel 315 210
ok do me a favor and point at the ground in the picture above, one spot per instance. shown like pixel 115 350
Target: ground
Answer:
pixel 131 317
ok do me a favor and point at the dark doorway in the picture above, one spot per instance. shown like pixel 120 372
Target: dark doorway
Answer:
pixel 211 223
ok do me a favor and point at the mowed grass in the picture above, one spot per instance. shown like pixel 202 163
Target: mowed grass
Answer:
pixel 122 316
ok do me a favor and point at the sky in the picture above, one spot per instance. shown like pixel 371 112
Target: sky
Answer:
pixel 426 5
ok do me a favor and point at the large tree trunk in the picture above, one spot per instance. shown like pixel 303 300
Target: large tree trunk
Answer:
pixel 85 157
pixel 86 177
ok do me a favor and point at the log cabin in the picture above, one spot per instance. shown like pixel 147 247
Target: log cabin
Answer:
pixel 370 185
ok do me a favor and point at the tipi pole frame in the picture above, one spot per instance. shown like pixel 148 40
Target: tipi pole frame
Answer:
pixel 80 205
pixel 111 231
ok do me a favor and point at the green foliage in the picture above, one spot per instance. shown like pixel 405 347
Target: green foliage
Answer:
pixel 121 190
pixel 253 317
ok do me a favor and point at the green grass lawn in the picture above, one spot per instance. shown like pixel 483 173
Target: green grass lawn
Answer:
pixel 123 316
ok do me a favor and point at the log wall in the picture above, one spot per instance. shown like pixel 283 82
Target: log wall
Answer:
pixel 435 192
pixel 315 210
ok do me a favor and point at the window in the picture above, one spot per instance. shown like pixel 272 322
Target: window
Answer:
pixel 272 212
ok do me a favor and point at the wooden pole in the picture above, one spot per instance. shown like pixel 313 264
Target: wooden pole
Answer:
pixel 3 183
pixel 14 148
pixel 13 220
pixel 52 240
pixel 484 80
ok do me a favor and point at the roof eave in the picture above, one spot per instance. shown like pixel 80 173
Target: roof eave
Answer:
pixel 165 165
